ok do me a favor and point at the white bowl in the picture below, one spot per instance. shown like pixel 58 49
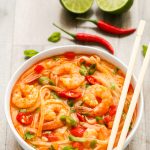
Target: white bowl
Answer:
pixel 57 51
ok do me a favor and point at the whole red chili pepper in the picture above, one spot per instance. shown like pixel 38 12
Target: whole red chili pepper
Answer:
pixel 84 37
pixel 109 28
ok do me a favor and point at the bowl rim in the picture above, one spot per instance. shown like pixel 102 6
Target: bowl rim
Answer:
pixel 28 63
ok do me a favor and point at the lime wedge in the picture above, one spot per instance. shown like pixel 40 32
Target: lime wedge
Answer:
pixel 114 6
pixel 77 6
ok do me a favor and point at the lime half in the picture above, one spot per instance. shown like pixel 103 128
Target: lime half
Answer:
pixel 114 6
pixel 77 6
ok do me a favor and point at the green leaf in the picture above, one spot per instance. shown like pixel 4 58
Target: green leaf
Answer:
pixel 116 69
pixel 92 69
pixel 76 139
pixel 30 53
pixel 70 102
pixel 54 37
pixel 28 136
pixel 145 47
pixel 83 71
pixel 93 144
pixel 22 110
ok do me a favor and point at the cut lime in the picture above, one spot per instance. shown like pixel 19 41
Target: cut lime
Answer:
pixel 114 6
pixel 77 6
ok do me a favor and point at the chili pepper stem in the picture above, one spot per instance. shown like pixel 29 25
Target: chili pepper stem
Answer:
pixel 90 20
pixel 71 34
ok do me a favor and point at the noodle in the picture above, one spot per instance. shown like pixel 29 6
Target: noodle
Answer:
pixel 69 102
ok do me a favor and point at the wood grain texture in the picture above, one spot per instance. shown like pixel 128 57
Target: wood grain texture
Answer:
pixel 26 24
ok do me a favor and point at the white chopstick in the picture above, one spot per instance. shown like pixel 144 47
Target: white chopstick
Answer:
pixel 126 85
pixel 134 100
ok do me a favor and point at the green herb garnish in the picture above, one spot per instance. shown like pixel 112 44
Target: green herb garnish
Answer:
pixel 112 86
pixel 52 148
pixel 72 111
pixel 145 47
pixel 68 120
pixel 76 139
pixel 63 118
pixel 51 82
pixel 92 69
pixel 71 122
pixel 98 119
pixel 28 136
pixel 70 102
pixel 87 85
pixel 54 94
pixel 116 69
pixel 93 144
pixel 54 37
pixel 69 148
pixel 30 53
pixel 83 71
pixel 44 80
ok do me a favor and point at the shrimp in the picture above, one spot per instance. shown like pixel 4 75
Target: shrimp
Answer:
pixel 70 77
pixel 66 68
pixel 89 60
pixel 72 81
pixel 25 96
pixel 53 110
pixel 90 97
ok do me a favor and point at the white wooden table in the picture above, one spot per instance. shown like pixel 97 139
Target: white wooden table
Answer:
pixel 26 24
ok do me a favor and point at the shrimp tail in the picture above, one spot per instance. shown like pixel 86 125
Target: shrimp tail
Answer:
pixel 84 110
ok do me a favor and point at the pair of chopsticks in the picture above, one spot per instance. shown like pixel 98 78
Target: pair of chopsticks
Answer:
pixel 125 90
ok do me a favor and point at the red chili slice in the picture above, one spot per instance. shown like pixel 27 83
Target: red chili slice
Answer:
pixel 51 137
pixel 107 119
pixel 91 79
pixel 112 110
pixel 70 55
pixel 78 145
pixel 24 118
pixel 80 117
pixel 38 69
pixel 78 131
pixel 69 94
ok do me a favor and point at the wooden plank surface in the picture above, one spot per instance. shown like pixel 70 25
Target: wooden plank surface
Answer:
pixel 27 24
